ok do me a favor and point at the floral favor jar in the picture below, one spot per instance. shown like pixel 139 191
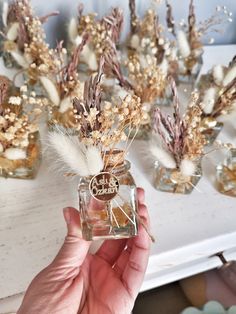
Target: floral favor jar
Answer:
pixel 107 201
pixel 172 180
pixel 226 174
pixel 21 163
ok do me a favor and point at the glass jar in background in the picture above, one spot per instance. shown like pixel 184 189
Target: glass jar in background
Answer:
pixel 189 69
pixel 226 174
pixel 211 129
pixel 23 168
pixel 108 202
pixel 171 180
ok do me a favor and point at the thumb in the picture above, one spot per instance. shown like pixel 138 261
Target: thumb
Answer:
pixel 74 250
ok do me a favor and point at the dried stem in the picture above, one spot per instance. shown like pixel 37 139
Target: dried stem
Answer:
pixel 133 17
pixel 44 19
pixel 170 19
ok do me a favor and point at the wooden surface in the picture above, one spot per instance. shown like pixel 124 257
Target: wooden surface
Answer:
pixel 188 228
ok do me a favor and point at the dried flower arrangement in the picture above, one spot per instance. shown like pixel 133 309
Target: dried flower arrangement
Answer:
pixel 92 154
pixel 64 86
pixel 99 126
pixel 189 38
pixel 217 89
pixel 218 93
pixel 226 174
pixel 103 34
pixel 19 138
pixel 178 145
pixel 147 38
pixel 23 41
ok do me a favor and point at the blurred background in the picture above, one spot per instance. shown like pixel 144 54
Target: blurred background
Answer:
pixel 204 9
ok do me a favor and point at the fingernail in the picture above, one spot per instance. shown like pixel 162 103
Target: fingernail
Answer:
pixel 66 213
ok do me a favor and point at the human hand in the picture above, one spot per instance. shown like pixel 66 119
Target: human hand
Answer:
pixel 79 282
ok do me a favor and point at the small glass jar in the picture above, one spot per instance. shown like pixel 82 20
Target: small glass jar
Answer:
pixel 171 180
pixel 23 168
pixel 226 174
pixel 108 203
pixel 189 69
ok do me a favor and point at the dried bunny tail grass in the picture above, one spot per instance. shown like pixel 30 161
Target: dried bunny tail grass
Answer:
pixel 51 90
pixel 183 44
pixel 80 160
pixel 5 9
pixel 73 29
pixel 12 32
pixel 187 167
pixel 20 59
pixel 161 155
pixel 218 73
pixel 209 98
pixel 94 160
pixel 230 76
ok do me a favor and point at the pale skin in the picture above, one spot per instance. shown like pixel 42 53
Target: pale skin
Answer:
pixel 106 282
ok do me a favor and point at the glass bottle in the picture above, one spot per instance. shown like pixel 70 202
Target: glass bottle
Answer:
pixel 171 180
pixel 108 202
pixel 226 174
pixel 23 168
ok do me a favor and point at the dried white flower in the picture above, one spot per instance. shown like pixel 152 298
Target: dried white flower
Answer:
pixel 183 44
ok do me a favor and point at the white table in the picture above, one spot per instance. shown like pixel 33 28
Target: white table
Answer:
pixel 188 228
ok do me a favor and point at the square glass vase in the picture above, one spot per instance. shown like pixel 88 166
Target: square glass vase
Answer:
pixel 23 168
pixel 108 204
pixel 171 180
pixel 226 174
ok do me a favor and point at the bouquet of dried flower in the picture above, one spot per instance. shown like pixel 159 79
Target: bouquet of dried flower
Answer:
pixel 218 93
pixel 99 125
pixel 103 34
pixel 107 192
pixel 64 86
pixel 19 138
pixel 189 38
pixel 23 42
pixel 147 37
pixel 178 146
